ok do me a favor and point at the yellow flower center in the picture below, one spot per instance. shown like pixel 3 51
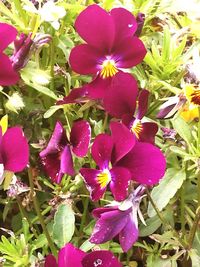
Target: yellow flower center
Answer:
pixel 103 178
pixel 137 128
pixel 192 93
pixel 108 69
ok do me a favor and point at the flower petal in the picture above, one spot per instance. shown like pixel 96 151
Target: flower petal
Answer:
pixel 102 150
pixel 51 165
pixel 70 256
pixel 98 211
pixel 15 150
pixel 58 137
pixel 98 87
pixel 50 261
pixel 120 182
pixel 120 98
pixel 90 178
pixel 109 225
pixel 84 59
pixel 8 34
pixel 125 23
pixel 66 161
pixel 80 137
pixel 149 130
pixel 146 163
pixel 123 140
pixel 129 234
pixel 8 76
pixel 76 95
pixel 142 104
pixel 102 258
pixel 130 52
pixel 96 27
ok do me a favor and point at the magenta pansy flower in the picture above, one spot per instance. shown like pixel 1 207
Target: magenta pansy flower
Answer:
pixel 110 47
pixel 70 256
pixel 8 76
pixel 14 151
pixel 106 151
pixel 119 220
pixel 120 102
pixel 57 156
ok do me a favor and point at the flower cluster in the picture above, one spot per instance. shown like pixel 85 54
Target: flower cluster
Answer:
pixel 126 154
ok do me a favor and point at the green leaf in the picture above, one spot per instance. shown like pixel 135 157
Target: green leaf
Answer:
pixel 87 245
pixel 64 225
pixel 152 224
pixel 51 111
pixel 169 185
pixel 182 129
pixel 195 258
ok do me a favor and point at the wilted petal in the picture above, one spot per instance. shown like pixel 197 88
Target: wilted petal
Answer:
pixel 84 59
pixel 8 76
pixel 109 225
pixel 120 182
pixel 70 256
pixel 102 150
pixel 80 137
pixel 120 98
pixel 142 104
pixel 7 35
pixel 90 178
pixel 96 27
pixel 14 149
pixel 125 23
pixel 140 22
pixel 129 234
pixel 76 95
pixel 146 163
pixel 131 52
pixel 57 138
pixel 50 261
pixel 101 258
pixel 123 140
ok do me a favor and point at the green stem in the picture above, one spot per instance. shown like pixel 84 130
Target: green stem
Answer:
pixel 85 208
pixel 25 215
pixel 37 209
pixel 163 219
pixel 194 228
pixel 182 210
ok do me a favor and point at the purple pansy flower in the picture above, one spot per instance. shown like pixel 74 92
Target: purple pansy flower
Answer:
pixel 69 256
pixel 107 150
pixel 8 76
pixel 120 219
pixel 57 157
pixel 14 151
pixel 120 102
pixel 110 46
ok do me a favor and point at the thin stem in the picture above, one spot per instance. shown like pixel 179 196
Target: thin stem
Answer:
pixel 40 217
pixel 85 208
pixel 25 215
pixel 194 228
pixel 163 219
pixel 182 210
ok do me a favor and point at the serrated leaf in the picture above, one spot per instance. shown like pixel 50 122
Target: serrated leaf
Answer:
pixel 64 225
pixel 169 185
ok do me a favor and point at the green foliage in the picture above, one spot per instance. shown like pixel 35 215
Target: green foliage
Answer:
pixel 64 225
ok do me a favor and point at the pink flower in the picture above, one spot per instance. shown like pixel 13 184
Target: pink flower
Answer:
pixel 70 256
pixel 14 151
pixel 110 46
pixel 57 156
pixel 8 76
